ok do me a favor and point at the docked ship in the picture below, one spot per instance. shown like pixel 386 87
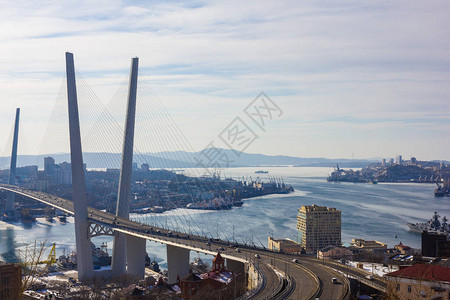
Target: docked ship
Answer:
pixel 49 213
pixel 62 218
pixel 198 265
pixel 26 216
pixel 100 255
pixel 433 225
pixel 213 204
pixel 154 266
pixel 261 172
pixel 442 190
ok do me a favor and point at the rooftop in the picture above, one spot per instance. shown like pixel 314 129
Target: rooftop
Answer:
pixel 423 272
pixel 307 208
pixel 361 243
pixel 402 246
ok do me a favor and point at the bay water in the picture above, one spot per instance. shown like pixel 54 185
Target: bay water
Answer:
pixel 369 211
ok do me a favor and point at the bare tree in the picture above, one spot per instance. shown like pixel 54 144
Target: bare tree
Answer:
pixel 30 259
pixel 392 288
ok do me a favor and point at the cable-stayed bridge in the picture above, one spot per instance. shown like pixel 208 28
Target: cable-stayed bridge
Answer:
pixel 271 275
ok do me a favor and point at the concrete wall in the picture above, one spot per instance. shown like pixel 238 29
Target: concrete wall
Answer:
pixel 253 276
pixel 238 268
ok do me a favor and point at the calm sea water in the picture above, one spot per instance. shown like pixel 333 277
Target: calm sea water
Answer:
pixel 369 211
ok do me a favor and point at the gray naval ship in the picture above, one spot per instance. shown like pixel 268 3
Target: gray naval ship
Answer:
pixel 432 225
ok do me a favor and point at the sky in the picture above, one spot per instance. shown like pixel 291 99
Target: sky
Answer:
pixel 359 79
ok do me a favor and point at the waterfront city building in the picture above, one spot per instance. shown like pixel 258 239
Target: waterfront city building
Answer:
pixel 319 226
pixel 361 245
pixel 49 165
pixel 10 281
pixel 334 252
pixel 283 245
pixel 435 244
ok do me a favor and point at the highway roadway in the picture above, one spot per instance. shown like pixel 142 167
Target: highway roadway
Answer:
pixel 309 279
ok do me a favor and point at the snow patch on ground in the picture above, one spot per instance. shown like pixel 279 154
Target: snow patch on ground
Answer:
pixel 374 268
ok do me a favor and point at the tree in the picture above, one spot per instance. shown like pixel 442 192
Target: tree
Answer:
pixel 30 259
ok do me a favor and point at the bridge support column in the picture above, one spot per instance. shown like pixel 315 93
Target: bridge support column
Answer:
pixel 124 194
pixel 118 263
pixel 177 262
pixel 12 168
pixel 84 252
pixel 135 256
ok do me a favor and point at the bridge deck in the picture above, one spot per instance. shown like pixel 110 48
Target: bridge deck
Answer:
pixel 305 273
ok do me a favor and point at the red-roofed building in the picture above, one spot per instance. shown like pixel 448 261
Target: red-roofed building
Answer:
pixel 218 263
pixel 419 281
pixel 214 284
pixel 403 249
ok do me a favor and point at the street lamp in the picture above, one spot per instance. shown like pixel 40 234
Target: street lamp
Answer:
pixel 273 250
pixel 298 244
pixel 234 241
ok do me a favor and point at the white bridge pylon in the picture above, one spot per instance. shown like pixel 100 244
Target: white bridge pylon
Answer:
pixel 129 251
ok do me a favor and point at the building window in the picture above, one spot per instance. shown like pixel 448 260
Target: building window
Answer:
pixel 5 280
pixel 409 289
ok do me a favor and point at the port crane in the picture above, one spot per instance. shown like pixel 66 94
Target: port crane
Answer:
pixel 51 258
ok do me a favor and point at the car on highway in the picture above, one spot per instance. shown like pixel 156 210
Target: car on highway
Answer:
pixel 238 250
pixel 221 249
pixel 334 280
pixel 257 256
pixel 370 277
pixel 295 260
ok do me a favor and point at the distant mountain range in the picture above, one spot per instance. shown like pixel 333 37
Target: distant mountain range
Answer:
pixel 183 159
